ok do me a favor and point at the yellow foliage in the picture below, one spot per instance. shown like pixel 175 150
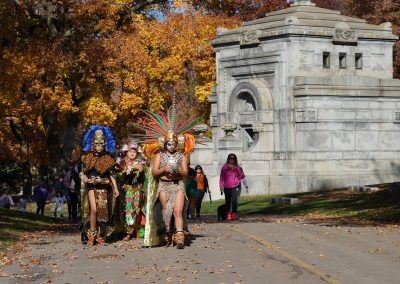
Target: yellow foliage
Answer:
pixel 96 111
pixel 203 91
pixel 130 104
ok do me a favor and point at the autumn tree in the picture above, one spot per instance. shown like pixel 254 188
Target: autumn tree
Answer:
pixel 156 60
pixel 50 56
pixel 377 12
pixel 329 4
pixel 67 64
pixel 245 10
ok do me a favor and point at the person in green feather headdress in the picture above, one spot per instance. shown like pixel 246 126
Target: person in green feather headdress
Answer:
pixel 168 147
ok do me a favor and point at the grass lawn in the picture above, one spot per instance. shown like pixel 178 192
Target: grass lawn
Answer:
pixel 339 204
pixel 14 223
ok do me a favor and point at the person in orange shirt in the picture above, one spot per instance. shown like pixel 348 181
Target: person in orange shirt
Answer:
pixel 202 188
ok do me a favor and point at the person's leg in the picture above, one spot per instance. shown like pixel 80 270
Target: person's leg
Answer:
pixel 192 206
pixel 238 197
pixel 166 216
pixel 188 210
pixel 69 208
pixel 228 202
pixel 199 200
pixel 55 207
pixel 178 210
pixel 37 208
pixel 74 206
pixel 235 198
pixel 129 215
pixel 92 218
pixel 228 199
pixel 61 206
pixel 58 204
pixel 235 195
pixel 163 199
pixel 79 209
pixel 42 208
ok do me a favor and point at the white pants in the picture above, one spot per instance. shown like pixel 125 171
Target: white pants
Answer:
pixel 59 204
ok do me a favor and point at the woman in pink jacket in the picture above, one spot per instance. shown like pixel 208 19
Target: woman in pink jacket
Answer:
pixel 230 184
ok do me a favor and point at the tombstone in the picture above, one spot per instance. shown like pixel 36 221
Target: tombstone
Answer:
pixel 313 99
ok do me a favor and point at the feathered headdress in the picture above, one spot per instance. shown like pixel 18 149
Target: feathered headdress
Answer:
pixel 89 135
pixel 160 128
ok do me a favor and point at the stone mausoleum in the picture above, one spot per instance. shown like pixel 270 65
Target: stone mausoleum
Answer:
pixel 306 99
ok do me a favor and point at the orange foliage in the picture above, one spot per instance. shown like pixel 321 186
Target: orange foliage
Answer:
pixel 377 12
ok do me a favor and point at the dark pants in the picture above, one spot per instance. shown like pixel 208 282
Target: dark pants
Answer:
pixel 74 205
pixel 199 199
pixel 69 210
pixel 40 207
pixel 231 198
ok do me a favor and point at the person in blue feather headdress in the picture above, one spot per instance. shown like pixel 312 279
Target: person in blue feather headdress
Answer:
pixel 99 187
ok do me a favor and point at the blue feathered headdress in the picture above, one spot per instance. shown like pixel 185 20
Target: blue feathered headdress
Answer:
pixel 89 134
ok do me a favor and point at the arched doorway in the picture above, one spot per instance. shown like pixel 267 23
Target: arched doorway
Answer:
pixel 245 102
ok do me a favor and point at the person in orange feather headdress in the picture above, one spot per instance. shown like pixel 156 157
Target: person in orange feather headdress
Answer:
pixel 168 168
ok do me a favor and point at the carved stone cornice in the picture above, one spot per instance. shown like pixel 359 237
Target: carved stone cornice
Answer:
pixel 344 36
pixel 249 38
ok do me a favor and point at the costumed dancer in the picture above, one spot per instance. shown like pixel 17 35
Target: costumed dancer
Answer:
pixel 131 175
pixel 168 146
pixel 99 187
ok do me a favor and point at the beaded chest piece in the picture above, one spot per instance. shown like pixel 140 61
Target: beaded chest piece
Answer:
pixel 173 160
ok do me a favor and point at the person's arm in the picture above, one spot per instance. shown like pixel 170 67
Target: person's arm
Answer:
pixel 240 173
pixel 243 178
pixel 156 171
pixel 85 179
pixel 222 179
pixel 137 169
pixel 183 169
pixel 206 188
pixel 114 185
pixel 11 200
pixel 140 168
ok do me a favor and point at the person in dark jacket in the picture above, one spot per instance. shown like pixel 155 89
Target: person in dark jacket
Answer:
pixel 40 195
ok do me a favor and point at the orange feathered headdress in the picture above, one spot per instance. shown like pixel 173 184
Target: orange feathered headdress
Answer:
pixel 160 128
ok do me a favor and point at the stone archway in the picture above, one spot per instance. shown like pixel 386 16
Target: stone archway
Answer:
pixel 247 99
pixel 257 89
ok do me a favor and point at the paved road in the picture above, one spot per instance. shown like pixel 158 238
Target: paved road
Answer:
pixel 235 252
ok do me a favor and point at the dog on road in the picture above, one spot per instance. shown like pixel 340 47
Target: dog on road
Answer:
pixel 222 212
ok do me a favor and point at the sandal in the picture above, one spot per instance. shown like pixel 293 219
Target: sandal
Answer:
pixel 127 237
pixel 91 237
pixel 100 241
pixel 180 239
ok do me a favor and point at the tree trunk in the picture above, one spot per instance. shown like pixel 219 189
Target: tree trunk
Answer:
pixel 71 137
pixel 27 180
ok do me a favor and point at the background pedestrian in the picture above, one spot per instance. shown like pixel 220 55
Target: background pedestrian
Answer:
pixel 230 184
pixel 202 188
